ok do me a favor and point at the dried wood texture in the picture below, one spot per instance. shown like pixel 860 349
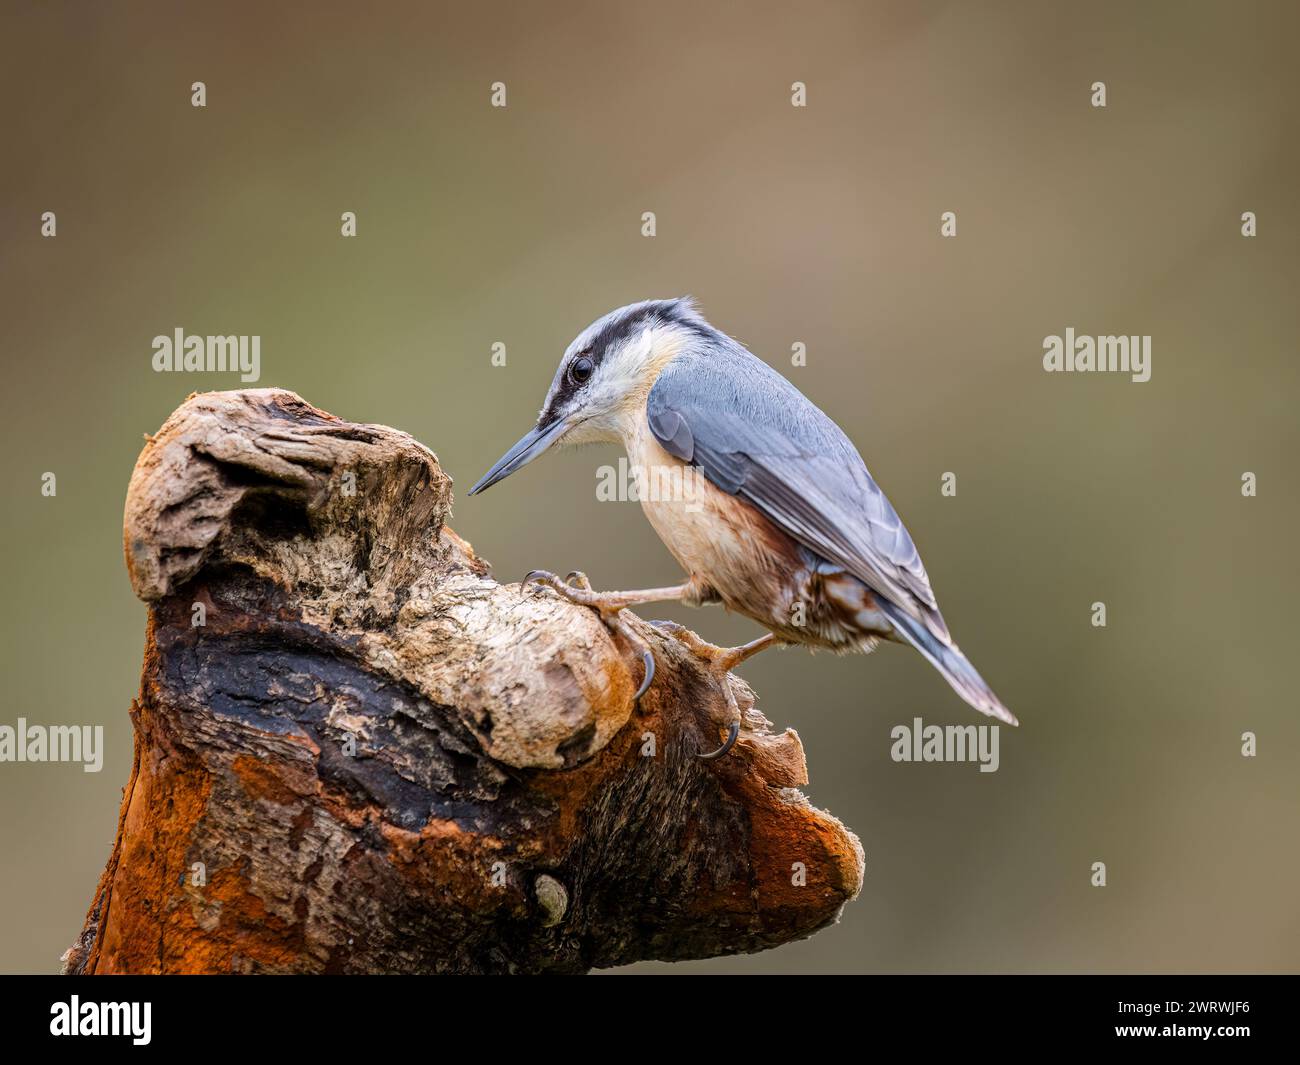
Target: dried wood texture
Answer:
pixel 371 757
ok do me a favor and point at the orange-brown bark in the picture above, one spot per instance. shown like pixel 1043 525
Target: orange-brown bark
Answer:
pixel 370 757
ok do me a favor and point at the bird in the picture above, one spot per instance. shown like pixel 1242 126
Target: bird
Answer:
pixel 776 517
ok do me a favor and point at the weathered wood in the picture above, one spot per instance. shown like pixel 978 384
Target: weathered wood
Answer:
pixel 381 760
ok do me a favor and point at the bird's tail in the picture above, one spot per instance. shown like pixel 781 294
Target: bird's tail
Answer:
pixel 956 668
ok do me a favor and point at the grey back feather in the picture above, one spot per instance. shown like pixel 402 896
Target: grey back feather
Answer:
pixel 756 436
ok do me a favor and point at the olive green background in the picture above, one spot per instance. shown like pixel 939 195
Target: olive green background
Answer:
pixel 818 225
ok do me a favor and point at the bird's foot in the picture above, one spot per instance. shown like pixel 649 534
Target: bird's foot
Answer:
pixel 720 661
pixel 609 605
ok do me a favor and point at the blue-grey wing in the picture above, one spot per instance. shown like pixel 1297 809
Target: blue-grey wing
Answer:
pixel 756 436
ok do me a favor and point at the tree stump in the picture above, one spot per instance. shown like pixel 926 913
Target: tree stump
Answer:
pixel 356 752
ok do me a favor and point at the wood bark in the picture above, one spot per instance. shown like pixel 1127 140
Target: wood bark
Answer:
pixel 356 752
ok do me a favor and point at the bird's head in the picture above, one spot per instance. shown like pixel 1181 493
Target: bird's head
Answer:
pixel 602 382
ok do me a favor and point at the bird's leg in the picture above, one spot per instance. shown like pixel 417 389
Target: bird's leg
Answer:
pixel 721 661
pixel 577 589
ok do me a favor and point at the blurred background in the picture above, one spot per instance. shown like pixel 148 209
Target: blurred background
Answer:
pixel 815 225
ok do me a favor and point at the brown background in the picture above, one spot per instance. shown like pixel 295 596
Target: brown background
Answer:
pixel 817 225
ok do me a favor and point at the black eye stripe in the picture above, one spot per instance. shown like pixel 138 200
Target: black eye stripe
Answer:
pixel 617 332
pixel 610 336
pixel 613 334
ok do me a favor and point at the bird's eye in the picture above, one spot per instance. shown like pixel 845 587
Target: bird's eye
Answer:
pixel 580 370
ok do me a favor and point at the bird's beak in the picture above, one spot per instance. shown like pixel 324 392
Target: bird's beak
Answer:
pixel 533 443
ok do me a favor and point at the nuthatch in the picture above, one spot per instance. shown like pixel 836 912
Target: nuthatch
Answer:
pixel 785 525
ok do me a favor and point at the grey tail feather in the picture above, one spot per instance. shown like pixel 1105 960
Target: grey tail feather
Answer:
pixel 951 663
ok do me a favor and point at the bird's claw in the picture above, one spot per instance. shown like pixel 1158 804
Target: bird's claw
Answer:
pixel 577 590
pixel 720 661
pixel 717 660
pixel 648 661
pixel 733 731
